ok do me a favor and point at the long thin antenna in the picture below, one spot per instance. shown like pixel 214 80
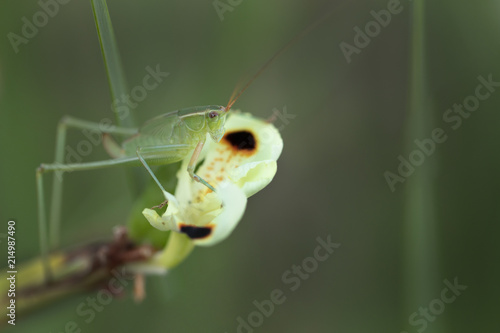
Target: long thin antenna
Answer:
pixel 277 54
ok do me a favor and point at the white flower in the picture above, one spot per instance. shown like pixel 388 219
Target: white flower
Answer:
pixel 240 165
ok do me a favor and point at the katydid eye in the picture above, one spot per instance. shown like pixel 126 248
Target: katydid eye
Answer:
pixel 213 114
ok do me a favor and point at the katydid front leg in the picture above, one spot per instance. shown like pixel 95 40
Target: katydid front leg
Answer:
pixel 176 152
pixel 192 165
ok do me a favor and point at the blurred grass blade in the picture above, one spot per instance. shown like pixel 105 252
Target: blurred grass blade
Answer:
pixel 422 276
pixel 114 69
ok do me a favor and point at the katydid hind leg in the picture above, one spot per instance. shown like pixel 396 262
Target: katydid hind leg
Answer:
pixel 42 226
pixel 66 123
pixel 59 168
pixel 49 238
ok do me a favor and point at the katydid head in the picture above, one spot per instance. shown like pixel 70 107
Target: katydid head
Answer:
pixel 215 119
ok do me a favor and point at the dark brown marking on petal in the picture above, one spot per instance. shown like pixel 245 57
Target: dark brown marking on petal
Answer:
pixel 195 232
pixel 242 141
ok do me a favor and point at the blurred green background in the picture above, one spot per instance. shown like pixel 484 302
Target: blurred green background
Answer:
pixel 351 124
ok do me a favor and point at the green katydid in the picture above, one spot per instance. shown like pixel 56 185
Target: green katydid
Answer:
pixel 165 139
pixel 168 138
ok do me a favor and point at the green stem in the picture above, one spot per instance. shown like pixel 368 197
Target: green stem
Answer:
pixel 84 268
pixel 422 279
pixel 179 246
pixel 31 289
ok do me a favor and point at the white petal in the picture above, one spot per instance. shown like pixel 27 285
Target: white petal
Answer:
pixel 253 177
pixel 154 219
pixel 234 203
pixel 268 138
pixel 168 220
pixel 251 165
